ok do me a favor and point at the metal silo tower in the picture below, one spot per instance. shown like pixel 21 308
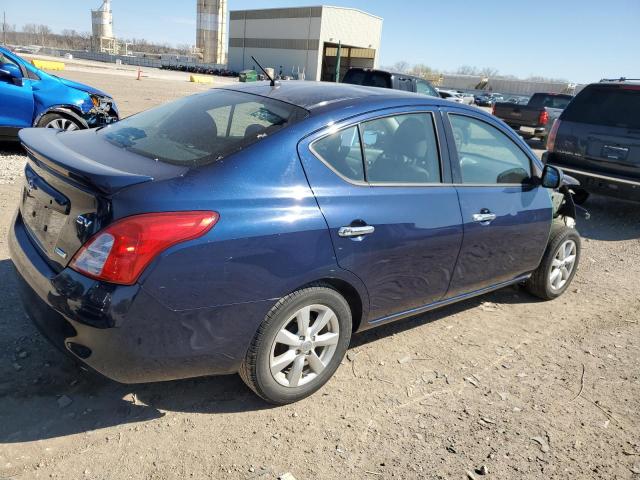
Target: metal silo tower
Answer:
pixel 103 39
pixel 211 35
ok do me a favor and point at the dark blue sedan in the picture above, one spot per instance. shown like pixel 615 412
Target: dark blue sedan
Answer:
pixel 254 229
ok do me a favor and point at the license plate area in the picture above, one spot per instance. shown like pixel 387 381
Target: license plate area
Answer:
pixel 615 152
pixel 44 210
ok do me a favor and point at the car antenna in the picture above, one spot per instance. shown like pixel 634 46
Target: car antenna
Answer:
pixel 273 82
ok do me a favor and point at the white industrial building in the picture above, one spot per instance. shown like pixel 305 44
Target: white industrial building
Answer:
pixel 304 40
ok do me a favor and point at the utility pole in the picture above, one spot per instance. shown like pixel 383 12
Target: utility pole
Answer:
pixel 4 28
pixel 338 58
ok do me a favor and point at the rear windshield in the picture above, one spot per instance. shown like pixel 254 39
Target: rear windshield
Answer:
pixel 617 106
pixel 551 101
pixel 201 129
pixel 367 78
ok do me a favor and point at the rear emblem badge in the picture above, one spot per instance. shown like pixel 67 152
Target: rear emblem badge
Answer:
pixel 61 252
pixel 84 221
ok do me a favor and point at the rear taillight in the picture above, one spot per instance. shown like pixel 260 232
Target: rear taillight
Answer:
pixel 543 119
pixel 120 252
pixel 551 140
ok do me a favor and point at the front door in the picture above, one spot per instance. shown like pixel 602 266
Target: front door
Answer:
pixel 393 221
pixel 16 101
pixel 506 216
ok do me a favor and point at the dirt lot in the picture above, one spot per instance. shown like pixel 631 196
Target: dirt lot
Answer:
pixel 521 388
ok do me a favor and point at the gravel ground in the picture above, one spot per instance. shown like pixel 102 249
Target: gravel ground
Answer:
pixel 502 385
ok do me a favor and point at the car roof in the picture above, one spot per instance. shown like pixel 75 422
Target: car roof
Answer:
pixel 318 95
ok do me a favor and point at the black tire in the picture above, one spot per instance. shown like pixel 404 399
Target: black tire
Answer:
pixel 539 284
pixel 580 196
pixel 53 117
pixel 255 370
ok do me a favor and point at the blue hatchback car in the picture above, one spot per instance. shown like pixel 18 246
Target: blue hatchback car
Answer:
pixel 253 229
pixel 30 97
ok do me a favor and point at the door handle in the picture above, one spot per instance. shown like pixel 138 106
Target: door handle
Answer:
pixel 484 218
pixel 347 232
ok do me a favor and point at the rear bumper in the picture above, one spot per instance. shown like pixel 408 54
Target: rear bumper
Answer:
pixel 536 131
pixel 605 184
pixel 124 333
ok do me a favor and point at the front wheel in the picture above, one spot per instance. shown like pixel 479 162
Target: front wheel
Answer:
pixel 59 122
pixel 299 345
pixel 559 264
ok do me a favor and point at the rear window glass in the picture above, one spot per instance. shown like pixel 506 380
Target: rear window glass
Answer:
pixel 355 77
pixel 607 106
pixel 201 129
pixel 378 79
pixel 550 101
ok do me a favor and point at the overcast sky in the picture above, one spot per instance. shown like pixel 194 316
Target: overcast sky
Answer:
pixel 580 40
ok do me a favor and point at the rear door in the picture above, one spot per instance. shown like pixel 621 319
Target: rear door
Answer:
pixel 506 217
pixel 600 131
pixel 383 185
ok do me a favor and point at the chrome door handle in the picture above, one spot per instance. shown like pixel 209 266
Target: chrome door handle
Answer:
pixel 355 231
pixel 484 218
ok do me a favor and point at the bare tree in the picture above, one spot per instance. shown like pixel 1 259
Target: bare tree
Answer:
pixel 488 72
pixel 43 33
pixel 422 70
pixel 467 70
pixel 401 66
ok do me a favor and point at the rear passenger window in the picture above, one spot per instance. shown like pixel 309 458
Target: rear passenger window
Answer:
pixel 401 149
pixel 342 153
pixel 486 155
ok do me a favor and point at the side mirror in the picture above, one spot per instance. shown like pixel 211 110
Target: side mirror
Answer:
pixel 12 72
pixel 552 177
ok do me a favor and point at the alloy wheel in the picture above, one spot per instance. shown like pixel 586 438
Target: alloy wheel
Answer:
pixel 562 264
pixel 62 124
pixel 304 346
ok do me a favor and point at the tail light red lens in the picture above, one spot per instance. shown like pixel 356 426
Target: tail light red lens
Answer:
pixel 543 119
pixel 551 141
pixel 121 252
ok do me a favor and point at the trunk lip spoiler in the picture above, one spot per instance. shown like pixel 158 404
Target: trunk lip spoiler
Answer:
pixel 42 148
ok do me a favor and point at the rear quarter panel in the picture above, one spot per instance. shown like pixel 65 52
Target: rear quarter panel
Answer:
pixel 270 240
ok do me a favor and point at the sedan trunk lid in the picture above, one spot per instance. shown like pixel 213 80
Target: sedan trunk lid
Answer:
pixel 70 179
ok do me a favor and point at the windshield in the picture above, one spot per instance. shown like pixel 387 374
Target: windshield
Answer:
pixel 201 129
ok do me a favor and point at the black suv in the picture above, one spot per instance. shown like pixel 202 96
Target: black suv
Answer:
pixel 398 81
pixel 597 140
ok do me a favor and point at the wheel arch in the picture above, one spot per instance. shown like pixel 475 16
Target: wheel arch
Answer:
pixel 65 110
pixel 357 299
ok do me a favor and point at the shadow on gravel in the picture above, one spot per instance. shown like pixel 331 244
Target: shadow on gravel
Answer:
pixel 11 148
pixel 45 394
pixel 611 219
pixel 508 295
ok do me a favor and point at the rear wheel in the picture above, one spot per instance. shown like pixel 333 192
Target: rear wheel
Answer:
pixel 299 345
pixel 559 264
pixel 59 122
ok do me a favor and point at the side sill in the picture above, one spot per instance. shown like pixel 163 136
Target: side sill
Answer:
pixel 445 302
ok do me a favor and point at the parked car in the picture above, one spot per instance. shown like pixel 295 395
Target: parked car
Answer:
pixel 252 229
pixel 487 99
pixel 451 96
pixel 384 79
pixel 30 97
pixel 597 140
pixel 536 117
pixel 467 98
